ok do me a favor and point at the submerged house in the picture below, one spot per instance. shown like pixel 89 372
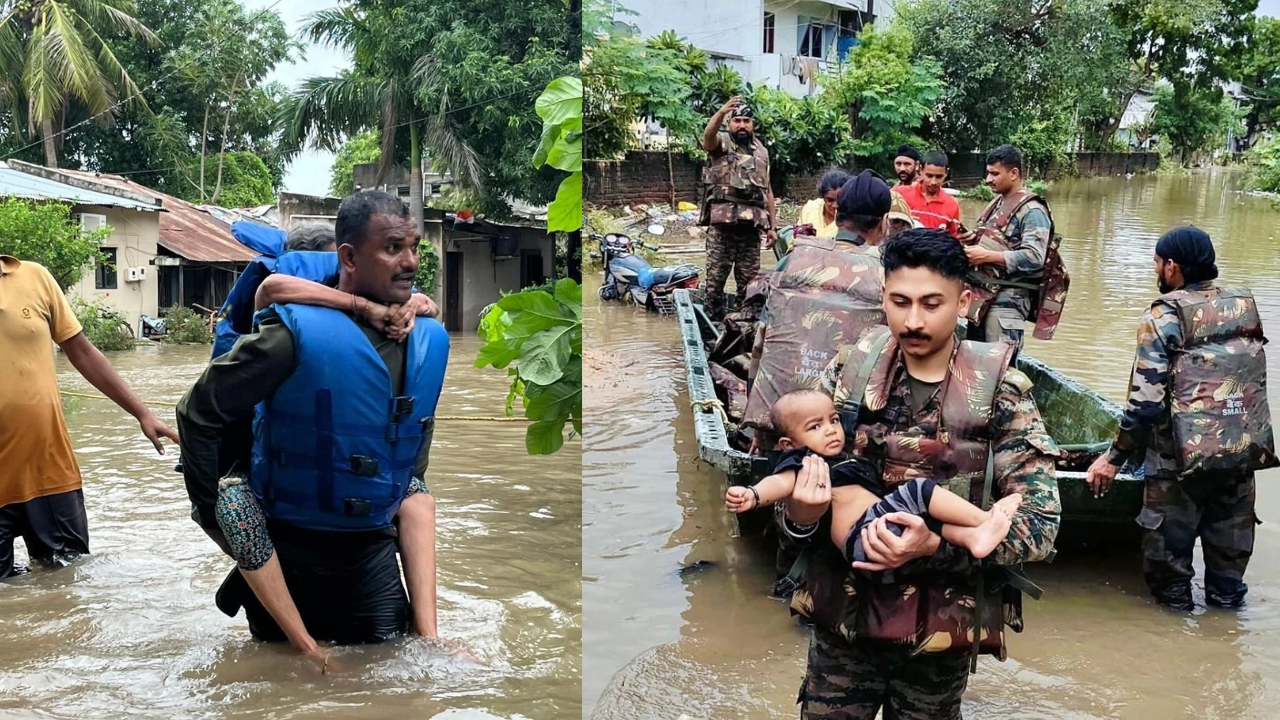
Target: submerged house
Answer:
pixel 163 252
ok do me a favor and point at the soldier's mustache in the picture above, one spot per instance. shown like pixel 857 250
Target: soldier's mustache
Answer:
pixel 915 335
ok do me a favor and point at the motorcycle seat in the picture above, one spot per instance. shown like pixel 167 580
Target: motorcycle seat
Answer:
pixel 670 274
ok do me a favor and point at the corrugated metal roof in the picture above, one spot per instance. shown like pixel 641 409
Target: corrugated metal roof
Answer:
pixel 15 183
pixel 187 230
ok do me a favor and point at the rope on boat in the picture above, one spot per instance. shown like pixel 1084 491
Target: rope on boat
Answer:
pixel 709 405
pixel 448 418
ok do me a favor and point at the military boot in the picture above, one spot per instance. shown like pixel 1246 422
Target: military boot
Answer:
pixel 1224 592
pixel 1175 597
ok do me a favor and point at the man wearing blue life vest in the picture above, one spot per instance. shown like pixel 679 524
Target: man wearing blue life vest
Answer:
pixel 343 417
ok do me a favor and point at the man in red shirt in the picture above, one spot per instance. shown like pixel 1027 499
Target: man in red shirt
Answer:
pixel 930 206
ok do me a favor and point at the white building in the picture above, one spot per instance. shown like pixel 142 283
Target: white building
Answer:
pixel 779 43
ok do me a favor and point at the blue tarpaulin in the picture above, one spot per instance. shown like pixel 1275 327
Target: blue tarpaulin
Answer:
pixel 268 241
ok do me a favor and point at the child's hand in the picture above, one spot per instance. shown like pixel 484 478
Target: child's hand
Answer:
pixel 739 499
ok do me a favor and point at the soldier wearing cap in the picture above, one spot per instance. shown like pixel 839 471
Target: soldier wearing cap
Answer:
pixel 906 163
pixel 738 205
pixel 1198 405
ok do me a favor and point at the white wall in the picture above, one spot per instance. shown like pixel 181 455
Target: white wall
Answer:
pixel 484 280
pixel 134 236
pixel 727 26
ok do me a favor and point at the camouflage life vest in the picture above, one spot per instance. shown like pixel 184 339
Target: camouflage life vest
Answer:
pixel 951 446
pixel 824 297
pixel 736 185
pixel 1048 287
pixel 1218 390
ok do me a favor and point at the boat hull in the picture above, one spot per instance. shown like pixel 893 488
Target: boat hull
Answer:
pixel 1079 419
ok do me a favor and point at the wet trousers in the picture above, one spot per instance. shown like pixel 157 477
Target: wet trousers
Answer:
pixel 1219 510
pixel 853 682
pixel 730 247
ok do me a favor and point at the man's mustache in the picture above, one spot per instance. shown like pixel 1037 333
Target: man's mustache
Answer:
pixel 915 335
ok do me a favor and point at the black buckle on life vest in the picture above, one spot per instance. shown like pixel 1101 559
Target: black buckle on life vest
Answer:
pixel 356 507
pixel 401 406
pixel 364 466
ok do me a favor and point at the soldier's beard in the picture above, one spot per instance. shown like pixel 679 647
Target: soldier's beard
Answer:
pixel 742 136
pixel 1165 287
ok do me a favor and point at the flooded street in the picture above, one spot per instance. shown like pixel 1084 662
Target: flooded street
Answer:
pixel 711 644
pixel 132 631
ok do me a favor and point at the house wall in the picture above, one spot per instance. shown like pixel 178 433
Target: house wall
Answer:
pixel 320 209
pixel 134 236
pixel 484 279
pixel 732 27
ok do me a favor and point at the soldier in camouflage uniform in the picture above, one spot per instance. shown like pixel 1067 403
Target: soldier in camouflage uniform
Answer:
pixel 920 404
pixel 1198 404
pixel 738 205
pixel 1017 254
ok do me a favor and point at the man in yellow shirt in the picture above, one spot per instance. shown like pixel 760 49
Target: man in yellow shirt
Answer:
pixel 40 494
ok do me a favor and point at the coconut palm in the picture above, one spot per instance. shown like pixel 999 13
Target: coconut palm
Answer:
pixel 52 52
pixel 377 93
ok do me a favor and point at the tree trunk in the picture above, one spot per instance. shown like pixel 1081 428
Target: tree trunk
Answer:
pixel 415 177
pixel 50 152
pixel 204 143
pixel 222 151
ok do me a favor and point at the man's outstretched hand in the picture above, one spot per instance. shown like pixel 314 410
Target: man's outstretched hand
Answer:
pixel 154 429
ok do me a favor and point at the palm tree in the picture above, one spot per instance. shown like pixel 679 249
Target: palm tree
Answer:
pixel 51 52
pixel 376 93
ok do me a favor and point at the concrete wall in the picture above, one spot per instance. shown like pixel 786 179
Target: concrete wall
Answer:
pixel 134 236
pixel 643 177
pixel 306 208
pixel 484 279
pixel 733 27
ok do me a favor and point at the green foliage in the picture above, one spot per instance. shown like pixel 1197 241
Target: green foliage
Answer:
pixel 246 181
pixel 53 55
pixel 104 328
pixel 428 273
pixel 187 326
pixel 625 79
pixel 1264 166
pixel 560 107
pixel 542 333
pixel 1192 119
pixel 1260 74
pixel 44 233
pixel 1018 71
pixel 359 150
pixel 539 329
pixel 803 135
pixel 886 95
pixel 157 143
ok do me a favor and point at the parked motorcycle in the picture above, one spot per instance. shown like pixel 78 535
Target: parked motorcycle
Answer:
pixel 627 275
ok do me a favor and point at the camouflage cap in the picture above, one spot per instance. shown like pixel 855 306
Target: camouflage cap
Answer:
pixel 900 210
pixel 743 110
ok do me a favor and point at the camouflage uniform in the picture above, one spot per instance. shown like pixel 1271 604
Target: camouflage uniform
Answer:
pixel 1028 235
pixel 1178 507
pixel 821 295
pixel 849 677
pixel 736 181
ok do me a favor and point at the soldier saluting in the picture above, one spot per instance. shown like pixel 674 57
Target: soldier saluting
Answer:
pixel 738 203
pixel 1198 402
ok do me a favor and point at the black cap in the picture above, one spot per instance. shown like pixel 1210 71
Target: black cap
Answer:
pixel 1189 246
pixel 864 194
pixel 908 151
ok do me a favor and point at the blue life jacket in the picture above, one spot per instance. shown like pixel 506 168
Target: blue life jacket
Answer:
pixel 333 448
pixel 236 317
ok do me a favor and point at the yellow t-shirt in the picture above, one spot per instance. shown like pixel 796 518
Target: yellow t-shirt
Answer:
pixel 811 214
pixel 36 458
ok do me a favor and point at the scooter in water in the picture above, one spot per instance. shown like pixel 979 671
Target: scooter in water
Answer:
pixel 627 275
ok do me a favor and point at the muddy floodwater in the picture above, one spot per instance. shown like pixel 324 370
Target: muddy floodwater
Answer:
pixel 131 631
pixel 710 644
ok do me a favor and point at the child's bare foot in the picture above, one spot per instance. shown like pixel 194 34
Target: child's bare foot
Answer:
pixel 987 536
pixel 1008 505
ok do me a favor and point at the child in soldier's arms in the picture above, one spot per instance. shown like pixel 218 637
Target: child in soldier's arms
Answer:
pixel 809 423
